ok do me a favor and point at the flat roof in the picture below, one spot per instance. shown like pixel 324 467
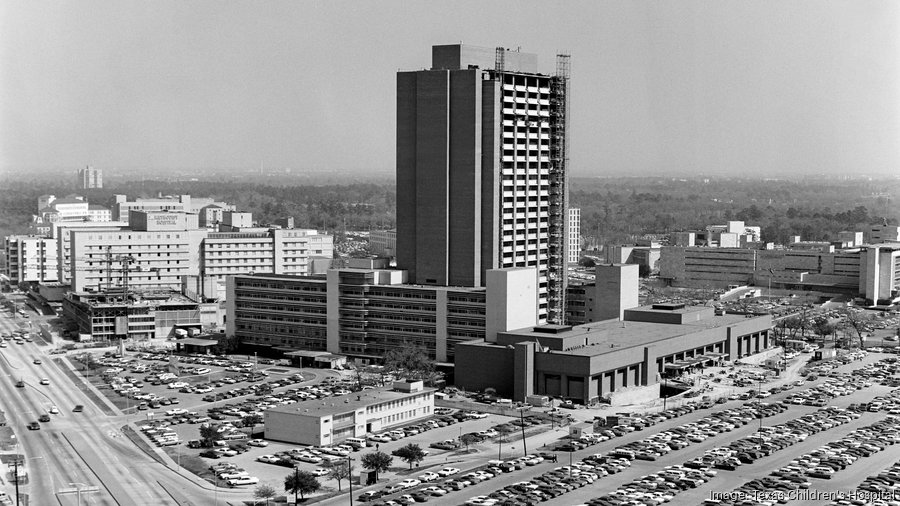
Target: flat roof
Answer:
pixel 345 403
pixel 612 335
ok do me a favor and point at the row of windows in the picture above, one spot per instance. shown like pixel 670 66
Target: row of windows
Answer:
pixel 255 317
pixel 281 307
pixel 406 401
pixel 274 285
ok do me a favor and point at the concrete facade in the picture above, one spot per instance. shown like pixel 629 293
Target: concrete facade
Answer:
pixel 721 267
pixel 587 362
pixel 145 314
pixel 324 423
pixel 168 246
pixel 182 203
pixel 31 259
pixel 616 289
pixel 877 234
pixel 574 236
pixel 473 170
pixel 881 283
pixel 512 293
pixel 383 243
pixel 359 312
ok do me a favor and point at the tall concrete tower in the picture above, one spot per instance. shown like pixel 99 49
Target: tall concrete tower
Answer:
pixel 481 170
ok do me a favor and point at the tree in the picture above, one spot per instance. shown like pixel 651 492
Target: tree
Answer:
pixel 823 328
pixel 409 359
pixel 251 421
pixel 411 454
pixel 266 492
pixel 338 470
pixel 376 461
pixel 468 439
pixel 208 435
pixel 859 322
pixel 302 482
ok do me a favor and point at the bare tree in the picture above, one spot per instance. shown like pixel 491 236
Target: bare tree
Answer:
pixel 339 470
pixel 859 322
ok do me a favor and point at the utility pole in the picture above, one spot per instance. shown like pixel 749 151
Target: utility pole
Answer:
pixel 522 420
pixel 350 476
pixel 16 471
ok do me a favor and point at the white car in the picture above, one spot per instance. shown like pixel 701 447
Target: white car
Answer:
pixel 258 442
pixel 410 483
pixel 54 410
pixel 45 381
pixel 477 415
pixel 435 491
pixel 448 471
pixel 268 459
pixel 380 438
pixel 320 471
pixel 482 500
pixel 429 476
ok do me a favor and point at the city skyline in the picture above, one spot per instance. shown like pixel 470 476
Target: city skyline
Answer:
pixel 724 88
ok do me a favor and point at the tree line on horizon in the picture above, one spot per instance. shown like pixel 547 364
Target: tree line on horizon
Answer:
pixel 614 210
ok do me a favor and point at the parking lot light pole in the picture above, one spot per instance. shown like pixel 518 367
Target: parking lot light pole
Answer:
pixel 350 476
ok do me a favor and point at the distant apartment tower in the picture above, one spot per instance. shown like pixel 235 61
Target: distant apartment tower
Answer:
pixel 90 177
pixel 574 250
pixel 481 170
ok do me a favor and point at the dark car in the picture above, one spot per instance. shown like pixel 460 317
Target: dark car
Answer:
pixel 34 426
pixel 44 418
pixel 78 409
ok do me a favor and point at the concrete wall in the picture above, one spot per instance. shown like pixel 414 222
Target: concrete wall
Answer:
pixel 511 300
pixel 294 428
pixel 616 291
pixel 486 366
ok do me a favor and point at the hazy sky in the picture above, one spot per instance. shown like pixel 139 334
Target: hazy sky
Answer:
pixel 662 86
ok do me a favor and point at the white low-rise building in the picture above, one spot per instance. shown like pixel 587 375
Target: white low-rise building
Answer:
pixel 331 420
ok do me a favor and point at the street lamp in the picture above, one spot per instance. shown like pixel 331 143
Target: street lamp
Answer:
pixel 350 476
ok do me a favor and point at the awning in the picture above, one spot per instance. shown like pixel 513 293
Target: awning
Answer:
pixel 305 353
pixel 198 342
pixel 329 358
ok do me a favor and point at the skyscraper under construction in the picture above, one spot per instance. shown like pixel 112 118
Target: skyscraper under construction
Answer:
pixel 482 170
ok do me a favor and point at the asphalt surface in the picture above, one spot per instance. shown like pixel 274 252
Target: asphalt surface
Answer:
pixel 85 448
pixel 725 481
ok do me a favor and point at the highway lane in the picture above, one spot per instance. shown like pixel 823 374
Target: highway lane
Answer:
pixel 86 448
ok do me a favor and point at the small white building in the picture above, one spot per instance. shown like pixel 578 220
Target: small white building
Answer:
pixel 331 420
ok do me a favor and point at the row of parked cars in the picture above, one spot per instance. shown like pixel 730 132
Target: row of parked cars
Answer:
pixel 232 475
pixel 721 422
pixel 832 387
pixel 453 480
pixel 663 486
pixel 822 463
pixel 880 488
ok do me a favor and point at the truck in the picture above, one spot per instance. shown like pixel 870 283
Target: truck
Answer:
pixel 181 333
pixel 193 332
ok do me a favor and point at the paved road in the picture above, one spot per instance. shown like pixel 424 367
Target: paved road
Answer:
pixel 87 447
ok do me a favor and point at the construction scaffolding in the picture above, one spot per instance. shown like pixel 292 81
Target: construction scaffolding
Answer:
pixel 557 272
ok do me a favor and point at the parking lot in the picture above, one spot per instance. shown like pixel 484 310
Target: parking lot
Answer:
pixel 695 455
pixel 686 455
